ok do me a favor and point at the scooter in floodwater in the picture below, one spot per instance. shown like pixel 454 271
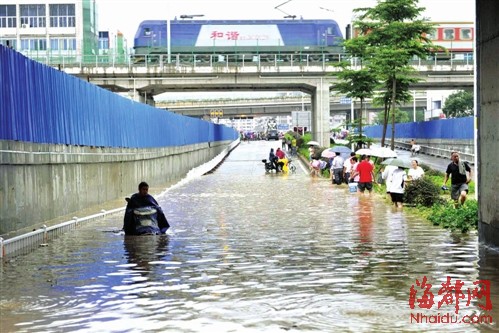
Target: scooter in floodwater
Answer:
pixel 269 166
pixel 283 165
pixel 147 220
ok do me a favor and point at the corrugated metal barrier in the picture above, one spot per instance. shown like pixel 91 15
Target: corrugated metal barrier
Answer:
pixel 455 129
pixel 43 105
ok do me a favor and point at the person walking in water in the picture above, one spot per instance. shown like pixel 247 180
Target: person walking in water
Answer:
pixel 460 174
pixel 365 172
pixel 337 169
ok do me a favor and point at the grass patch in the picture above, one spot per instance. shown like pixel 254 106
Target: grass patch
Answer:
pixel 463 217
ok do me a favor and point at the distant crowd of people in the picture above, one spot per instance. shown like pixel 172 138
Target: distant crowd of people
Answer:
pixel 361 172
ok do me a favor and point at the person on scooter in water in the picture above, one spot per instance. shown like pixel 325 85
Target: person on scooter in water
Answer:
pixel 273 159
pixel 140 200
pixel 282 160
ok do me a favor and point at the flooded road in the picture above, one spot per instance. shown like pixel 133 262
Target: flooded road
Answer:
pixel 256 252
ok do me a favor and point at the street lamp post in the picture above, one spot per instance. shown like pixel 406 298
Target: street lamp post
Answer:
pixel 168 42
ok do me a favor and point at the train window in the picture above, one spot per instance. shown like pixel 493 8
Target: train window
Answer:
pixel 449 34
pixel 147 31
pixel 330 31
pixel 465 34
pixel 431 35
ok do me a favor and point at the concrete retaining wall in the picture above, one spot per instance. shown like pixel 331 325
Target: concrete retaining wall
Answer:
pixel 488 120
pixel 41 182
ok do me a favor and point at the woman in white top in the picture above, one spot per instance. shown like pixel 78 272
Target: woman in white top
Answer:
pixel 397 185
pixel 415 171
pixel 387 176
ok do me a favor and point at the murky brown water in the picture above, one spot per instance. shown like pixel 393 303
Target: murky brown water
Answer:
pixel 250 252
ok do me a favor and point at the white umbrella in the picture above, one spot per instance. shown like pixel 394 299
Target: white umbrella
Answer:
pixel 313 143
pixel 341 141
pixel 383 152
pixel 403 163
pixel 364 151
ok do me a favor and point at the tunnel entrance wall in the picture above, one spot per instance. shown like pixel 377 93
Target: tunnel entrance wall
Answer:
pixel 488 120
pixel 40 182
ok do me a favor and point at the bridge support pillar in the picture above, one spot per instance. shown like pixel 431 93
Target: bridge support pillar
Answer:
pixel 321 113
pixel 488 120
pixel 142 98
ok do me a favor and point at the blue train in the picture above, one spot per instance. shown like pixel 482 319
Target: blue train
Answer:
pixel 241 40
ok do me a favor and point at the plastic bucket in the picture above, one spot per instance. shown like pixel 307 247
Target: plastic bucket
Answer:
pixel 352 187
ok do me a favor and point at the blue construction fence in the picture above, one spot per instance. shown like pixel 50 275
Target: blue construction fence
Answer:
pixel 43 105
pixel 455 128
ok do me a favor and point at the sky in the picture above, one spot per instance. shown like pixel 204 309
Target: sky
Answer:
pixel 126 15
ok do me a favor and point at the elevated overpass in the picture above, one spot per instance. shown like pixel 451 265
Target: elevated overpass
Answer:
pixel 146 81
pixel 316 79
pixel 265 107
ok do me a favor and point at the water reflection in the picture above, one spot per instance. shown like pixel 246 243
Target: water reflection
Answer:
pixel 247 252
pixel 142 253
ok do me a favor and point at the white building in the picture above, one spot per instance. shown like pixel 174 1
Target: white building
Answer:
pixel 435 101
pixel 58 30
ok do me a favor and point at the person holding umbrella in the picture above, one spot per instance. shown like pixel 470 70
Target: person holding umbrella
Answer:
pixel 396 179
pixel 365 172
pixel 396 186
pixel 337 169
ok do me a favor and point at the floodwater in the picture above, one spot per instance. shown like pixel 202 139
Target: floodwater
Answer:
pixel 256 252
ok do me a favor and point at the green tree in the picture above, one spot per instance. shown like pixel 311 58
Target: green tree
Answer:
pixel 384 98
pixel 356 81
pixel 400 117
pixel 459 104
pixel 393 36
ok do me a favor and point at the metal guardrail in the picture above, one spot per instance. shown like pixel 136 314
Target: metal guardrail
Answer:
pixel 31 240
pixel 437 152
pixel 233 60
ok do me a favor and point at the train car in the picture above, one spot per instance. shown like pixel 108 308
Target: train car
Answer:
pixel 456 37
pixel 250 40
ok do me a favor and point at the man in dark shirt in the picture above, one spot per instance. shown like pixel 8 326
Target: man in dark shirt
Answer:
pixel 460 174
pixel 131 225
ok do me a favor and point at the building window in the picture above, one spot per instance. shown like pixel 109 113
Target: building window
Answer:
pixel 62 15
pixel 8 16
pixel 466 34
pixel 103 40
pixel 432 35
pixel 12 43
pixel 449 34
pixel 63 44
pixel 33 44
pixel 33 16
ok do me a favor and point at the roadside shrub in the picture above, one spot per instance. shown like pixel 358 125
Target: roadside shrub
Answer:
pixel 306 138
pixel 422 192
pixel 463 218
